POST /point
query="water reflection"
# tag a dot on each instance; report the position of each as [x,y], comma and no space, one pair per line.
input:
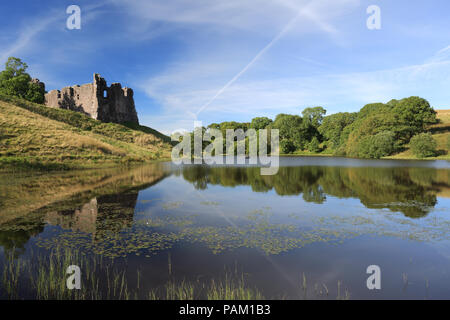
[412,191]
[221,215]
[90,201]
[103,202]
[103,214]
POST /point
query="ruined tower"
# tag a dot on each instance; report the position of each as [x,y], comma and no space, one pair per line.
[96,99]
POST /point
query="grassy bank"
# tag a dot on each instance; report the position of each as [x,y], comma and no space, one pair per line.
[33,136]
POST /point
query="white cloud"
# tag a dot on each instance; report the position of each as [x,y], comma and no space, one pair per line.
[207,74]
[256,16]
[252,97]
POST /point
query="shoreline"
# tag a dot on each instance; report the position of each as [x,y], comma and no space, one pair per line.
[27,165]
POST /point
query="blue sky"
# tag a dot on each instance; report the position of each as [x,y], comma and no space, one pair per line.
[214,61]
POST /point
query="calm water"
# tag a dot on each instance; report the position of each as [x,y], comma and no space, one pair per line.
[319,223]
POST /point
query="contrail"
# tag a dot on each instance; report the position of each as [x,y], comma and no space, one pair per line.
[260,53]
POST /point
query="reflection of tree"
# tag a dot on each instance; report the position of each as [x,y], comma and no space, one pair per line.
[390,188]
[288,181]
[15,234]
[197,175]
[408,190]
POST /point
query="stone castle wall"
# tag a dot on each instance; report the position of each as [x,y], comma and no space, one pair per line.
[96,99]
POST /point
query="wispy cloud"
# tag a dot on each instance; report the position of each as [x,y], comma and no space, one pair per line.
[26,35]
[345,92]
[256,16]
[301,11]
[26,38]
[258,55]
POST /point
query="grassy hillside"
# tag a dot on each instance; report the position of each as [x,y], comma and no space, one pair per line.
[441,133]
[33,135]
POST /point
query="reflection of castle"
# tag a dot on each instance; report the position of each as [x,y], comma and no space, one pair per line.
[82,219]
[108,201]
[107,213]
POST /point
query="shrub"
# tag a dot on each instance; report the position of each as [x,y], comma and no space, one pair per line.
[380,145]
[423,145]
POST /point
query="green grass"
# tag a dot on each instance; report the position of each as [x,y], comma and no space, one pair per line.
[38,137]
[232,289]
[44,278]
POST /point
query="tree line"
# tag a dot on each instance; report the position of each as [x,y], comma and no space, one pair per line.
[375,131]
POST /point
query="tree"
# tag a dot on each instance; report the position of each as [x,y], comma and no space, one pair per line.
[364,128]
[291,128]
[214,126]
[233,125]
[15,81]
[260,123]
[413,115]
[314,116]
[333,125]
[376,146]
[14,67]
[423,145]
[404,118]
[372,108]
[314,145]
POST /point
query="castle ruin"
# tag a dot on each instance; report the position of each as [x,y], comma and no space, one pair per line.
[97,100]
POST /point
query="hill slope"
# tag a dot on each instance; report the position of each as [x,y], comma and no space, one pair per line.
[441,133]
[33,135]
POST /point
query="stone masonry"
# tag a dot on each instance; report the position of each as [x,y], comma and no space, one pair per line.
[107,104]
